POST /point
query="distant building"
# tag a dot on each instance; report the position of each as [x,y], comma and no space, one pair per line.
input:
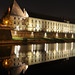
[28,21]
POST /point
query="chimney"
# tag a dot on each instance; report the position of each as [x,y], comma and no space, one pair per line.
[9,10]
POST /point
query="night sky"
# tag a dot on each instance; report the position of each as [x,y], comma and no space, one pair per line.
[57,8]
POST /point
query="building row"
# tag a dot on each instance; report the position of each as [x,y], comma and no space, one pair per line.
[27,21]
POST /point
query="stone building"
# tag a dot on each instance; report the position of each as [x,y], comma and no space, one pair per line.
[16,16]
[33,22]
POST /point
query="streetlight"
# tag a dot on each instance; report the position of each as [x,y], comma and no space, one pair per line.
[7,64]
[6,22]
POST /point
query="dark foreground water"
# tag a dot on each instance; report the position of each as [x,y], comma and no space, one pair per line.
[52,58]
[55,67]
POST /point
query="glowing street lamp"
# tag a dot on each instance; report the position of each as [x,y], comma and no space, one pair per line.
[6,22]
[6,63]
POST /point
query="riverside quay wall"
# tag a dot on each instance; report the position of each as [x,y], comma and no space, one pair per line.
[5,33]
[28,34]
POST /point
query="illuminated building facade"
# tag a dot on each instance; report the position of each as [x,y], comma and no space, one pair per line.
[28,21]
[39,53]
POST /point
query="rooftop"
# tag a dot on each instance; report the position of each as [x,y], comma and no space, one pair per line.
[17,11]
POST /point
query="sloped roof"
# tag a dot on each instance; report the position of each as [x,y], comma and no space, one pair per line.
[47,17]
[16,10]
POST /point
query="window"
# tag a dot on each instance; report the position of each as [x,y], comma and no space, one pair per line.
[42,22]
[14,22]
[14,18]
[22,23]
[39,59]
[14,64]
[35,60]
[18,18]
[45,26]
[48,23]
[22,18]
[39,21]
[53,23]
[32,21]
[35,20]
[18,63]
[32,61]
[14,59]
[18,22]
[45,22]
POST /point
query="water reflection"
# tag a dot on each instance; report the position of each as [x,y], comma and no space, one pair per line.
[16,50]
[38,53]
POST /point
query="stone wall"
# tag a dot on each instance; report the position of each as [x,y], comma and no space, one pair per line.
[27,34]
[5,34]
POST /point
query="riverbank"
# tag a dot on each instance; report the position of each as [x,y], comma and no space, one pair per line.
[12,42]
[9,36]
[36,40]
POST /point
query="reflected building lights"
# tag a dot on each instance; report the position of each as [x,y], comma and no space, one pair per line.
[17,28]
[57,47]
[47,51]
[65,46]
[45,47]
[15,32]
[72,46]
[65,35]
[32,34]
[53,51]
[16,50]
[45,35]
[32,48]
[34,52]
[56,35]
[72,36]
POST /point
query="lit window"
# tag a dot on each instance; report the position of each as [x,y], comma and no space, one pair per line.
[56,35]
[65,35]
[45,35]
[72,36]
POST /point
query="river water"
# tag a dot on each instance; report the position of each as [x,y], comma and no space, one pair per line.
[38,53]
[32,54]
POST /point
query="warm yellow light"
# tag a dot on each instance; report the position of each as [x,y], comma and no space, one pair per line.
[45,35]
[6,63]
[56,35]
[6,22]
